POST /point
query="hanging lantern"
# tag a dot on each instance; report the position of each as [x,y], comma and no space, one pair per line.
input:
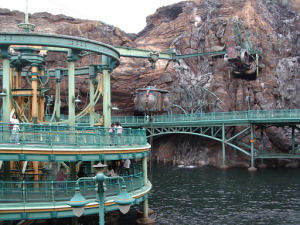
[152,100]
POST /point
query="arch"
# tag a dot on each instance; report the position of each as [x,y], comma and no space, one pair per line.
[63,43]
[206,136]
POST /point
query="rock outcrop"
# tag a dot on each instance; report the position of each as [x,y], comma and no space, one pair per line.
[191,27]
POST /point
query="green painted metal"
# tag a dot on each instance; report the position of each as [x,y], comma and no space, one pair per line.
[7,106]
[92,96]
[142,53]
[72,143]
[37,195]
[209,125]
[106,93]
[270,117]
[71,93]
[145,171]
[69,42]
[223,145]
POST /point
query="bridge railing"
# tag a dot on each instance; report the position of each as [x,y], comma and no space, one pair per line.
[213,116]
[51,191]
[282,114]
[68,135]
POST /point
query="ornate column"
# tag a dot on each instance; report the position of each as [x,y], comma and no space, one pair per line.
[34,108]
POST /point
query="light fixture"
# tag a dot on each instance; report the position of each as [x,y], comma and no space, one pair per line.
[76,99]
[114,107]
[78,202]
[3,93]
[124,200]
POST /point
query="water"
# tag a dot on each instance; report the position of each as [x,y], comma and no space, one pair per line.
[208,195]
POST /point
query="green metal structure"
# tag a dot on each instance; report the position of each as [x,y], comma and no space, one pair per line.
[85,137]
[222,126]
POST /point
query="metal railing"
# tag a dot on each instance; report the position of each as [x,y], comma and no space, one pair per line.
[279,115]
[52,191]
[68,135]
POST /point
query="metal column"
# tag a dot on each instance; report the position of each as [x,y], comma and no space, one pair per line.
[145,175]
[223,166]
[34,108]
[92,96]
[106,92]
[252,141]
[7,104]
[71,87]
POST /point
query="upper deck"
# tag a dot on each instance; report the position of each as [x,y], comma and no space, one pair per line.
[67,143]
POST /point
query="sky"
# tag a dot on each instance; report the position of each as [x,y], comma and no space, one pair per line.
[128,15]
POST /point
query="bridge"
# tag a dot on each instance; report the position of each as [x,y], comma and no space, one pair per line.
[242,130]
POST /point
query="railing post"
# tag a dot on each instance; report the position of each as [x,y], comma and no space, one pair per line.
[52,191]
[23,192]
[130,136]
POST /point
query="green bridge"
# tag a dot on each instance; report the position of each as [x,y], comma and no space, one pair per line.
[242,130]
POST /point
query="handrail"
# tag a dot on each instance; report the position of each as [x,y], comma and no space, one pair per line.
[246,116]
[52,191]
[277,115]
[43,134]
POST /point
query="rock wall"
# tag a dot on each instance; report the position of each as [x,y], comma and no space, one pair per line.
[190,27]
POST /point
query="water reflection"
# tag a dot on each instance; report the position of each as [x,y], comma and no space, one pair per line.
[207,195]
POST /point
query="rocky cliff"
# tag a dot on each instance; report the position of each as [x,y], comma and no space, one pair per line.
[191,27]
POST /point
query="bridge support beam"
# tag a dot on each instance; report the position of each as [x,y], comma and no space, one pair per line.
[252,141]
[262,147]
[293,140]
[223,166]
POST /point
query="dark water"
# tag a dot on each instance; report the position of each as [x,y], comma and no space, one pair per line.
[208,195]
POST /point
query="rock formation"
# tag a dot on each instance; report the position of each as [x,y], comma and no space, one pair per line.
[191,27]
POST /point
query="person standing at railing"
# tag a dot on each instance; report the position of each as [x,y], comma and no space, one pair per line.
[15,128]
[61,177]
[81,172]
[119,131]
[127,164]
[112,131]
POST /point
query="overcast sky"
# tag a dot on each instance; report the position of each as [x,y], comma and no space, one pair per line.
[128,15]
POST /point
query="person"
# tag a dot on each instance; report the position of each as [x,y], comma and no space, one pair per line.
[120,165]
[119,131]
[111,131]
[61,176]
[127,166]
[81,172]
[110,172]
[15,129]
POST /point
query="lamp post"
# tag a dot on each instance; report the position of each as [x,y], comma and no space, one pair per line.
[78,202]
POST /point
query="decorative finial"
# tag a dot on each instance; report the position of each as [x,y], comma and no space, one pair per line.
[26,26]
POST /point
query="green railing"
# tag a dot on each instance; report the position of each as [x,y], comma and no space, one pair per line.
[279,115]
[67,135]
[51,191]
[276,114]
